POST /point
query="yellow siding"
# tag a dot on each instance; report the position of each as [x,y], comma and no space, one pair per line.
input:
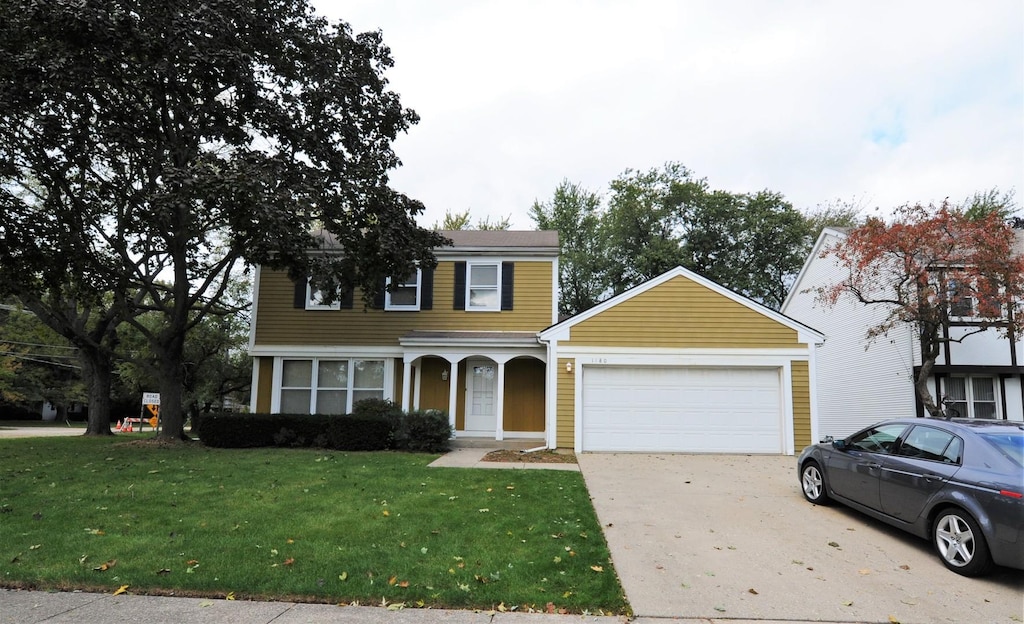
[682,313]
[565,409]
[278,322]
[524,395]
[265,384]
[433,389]
[801,406]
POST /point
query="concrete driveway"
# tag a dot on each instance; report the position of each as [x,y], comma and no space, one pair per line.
[731,537]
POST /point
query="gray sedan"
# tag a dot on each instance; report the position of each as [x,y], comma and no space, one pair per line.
[959,483]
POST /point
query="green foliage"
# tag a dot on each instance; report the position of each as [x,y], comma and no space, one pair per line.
[284,524]
[235,430]
[423,431]
[463,221]
[574,213]
[236,127]
[359,432]
[993,201]
[656,220]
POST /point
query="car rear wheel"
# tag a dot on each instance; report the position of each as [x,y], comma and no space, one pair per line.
[812,482]
[958,540]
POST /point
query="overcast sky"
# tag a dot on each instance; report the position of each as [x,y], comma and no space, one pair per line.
[875,102]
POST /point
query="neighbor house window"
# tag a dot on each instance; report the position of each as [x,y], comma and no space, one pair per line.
[316,299]
[961,303]
[483,286]
[328,386]
[973,397]
[404,294]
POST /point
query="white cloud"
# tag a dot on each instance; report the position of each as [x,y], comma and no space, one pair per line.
[888,102]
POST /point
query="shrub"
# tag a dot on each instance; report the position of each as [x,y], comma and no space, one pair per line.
[238,430]
[359,432]
[423,431]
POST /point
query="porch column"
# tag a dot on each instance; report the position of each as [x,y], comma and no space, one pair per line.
[406,377]
[416,386]
[499,407]
[453,395]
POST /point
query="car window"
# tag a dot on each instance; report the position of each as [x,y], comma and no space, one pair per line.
[1010,444]
[931,444]
[880,439]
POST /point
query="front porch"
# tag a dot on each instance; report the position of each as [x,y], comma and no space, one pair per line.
[491,384]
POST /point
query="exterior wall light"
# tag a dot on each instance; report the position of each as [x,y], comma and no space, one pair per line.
[444,375]
[568,367]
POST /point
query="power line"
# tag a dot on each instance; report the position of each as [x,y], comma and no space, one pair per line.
[30,359]
[36,344]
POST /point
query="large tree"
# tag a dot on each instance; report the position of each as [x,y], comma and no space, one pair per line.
[927,266]
[575,213]
[174,141]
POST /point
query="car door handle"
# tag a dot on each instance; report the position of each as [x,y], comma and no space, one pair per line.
[930,477]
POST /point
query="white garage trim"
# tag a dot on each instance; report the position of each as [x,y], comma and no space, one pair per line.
[589,358]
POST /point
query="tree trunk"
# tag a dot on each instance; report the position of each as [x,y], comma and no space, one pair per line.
[97,371]
[172,411]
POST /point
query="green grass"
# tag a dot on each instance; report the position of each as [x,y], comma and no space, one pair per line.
[298,525]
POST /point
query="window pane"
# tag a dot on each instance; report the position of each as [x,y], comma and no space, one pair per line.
[956,388]
[878,439]
[332,374]
[984,389]
[295,401]
[483,298]
[369,374]
[403,295]
[984,410]
[331,401]
[953,451]
[484,275]
[359,395]
[296,374]
[926,443]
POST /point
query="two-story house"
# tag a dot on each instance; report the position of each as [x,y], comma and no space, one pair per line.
[678,363]
[862,381]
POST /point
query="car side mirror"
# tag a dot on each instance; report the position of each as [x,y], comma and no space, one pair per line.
[839,445]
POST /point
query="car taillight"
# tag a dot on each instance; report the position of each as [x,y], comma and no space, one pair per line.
[1011,494]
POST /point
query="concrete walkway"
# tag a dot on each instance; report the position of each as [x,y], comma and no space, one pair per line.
[472,457]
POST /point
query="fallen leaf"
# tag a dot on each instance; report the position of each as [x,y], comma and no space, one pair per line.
[206,603]
[121,590]
[103,567]
[752,591]
[848,603]
[163,572]
[403,583]
[387,513]
[597,568]
[16,558]
[720,609]
[192,562]
[343,577]
[904,567]
[893,619]
[230,596]
[35,547]
[864,571]
[907,602]
[392,580]
[833,545]
[501,607]
[396,606]
[550,607]
[289,561]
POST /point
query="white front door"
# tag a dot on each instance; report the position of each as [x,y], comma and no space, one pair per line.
[482,377]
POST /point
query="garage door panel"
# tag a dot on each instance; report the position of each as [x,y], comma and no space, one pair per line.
[681,409]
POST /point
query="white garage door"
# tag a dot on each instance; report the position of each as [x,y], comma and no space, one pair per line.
[681,409]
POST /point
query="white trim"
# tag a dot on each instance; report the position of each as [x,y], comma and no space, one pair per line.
[819,247]
[556,291]
[336,305]
[388,306]
[325,350]
[551,396]
[254,386]
[255,306]
[275,398]
[812,393]
[497,287]
[494,256]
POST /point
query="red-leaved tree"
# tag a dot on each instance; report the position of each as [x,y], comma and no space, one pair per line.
[930,264]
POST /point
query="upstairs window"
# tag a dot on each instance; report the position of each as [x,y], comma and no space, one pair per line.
[972,397]
[404,294]
[961,303]
[316,300]
[483,286]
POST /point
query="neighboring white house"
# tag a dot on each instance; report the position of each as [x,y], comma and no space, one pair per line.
[862,381]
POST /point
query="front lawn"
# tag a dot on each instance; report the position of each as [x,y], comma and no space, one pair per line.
[371,528]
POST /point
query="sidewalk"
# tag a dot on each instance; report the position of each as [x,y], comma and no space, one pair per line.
[30,607]
[472,457]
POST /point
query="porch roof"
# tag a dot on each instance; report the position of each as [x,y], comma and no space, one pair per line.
[449,338]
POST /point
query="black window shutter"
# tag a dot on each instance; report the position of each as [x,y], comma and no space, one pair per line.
[508,273]
[300,293]
[378,301]
[460,286]
[347,297]
[427,289]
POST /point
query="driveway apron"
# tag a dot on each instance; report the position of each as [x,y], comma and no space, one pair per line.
[731,537]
